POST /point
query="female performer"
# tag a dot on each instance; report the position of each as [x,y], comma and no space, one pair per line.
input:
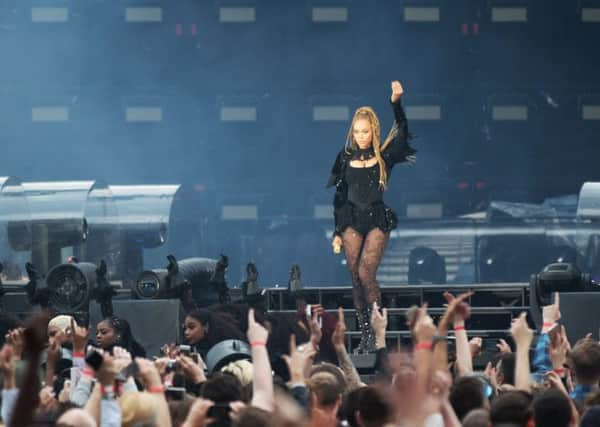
[362,220]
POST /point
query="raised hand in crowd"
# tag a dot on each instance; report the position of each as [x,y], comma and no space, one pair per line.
[421,390]
[424,328]
[503,347]
[53,352]
[15,339]
[47,399]
[424,333]
[522,335]
[559,347]
[53,356]
[192,370]
[8,366]
[262,385]
[475,347]
[106,375]
[170,351]
[108,370]
[150,377]
[379,322]
[34,339]
[551,313]
[338,337]
[457,311]
[491,374]
[520,331]
[315,325]
[121,358]
[256,333]
[148,373]
[80,335]
[161,365]
[299,360]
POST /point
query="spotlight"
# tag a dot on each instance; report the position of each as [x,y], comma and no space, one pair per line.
[294,283]
[151,284]
[71,286]
[425,265]
[198,282]
[250,285]
[218,279]
[251,292]
[557,277]
[294,295]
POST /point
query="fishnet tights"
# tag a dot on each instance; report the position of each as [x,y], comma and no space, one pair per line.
[363,255]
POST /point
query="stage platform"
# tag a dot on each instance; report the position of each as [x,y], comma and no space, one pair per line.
[492,306]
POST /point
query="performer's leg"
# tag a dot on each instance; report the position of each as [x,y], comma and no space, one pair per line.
[353,241]
[372,252]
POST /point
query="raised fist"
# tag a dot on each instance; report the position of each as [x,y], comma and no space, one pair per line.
[397,91]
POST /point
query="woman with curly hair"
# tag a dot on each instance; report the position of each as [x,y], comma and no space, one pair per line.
[114,331]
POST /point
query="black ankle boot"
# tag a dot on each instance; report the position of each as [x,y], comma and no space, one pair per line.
[367,336]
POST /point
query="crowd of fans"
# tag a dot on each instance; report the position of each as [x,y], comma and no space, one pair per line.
[53,373]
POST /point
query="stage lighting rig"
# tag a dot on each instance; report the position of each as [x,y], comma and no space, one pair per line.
[198,282]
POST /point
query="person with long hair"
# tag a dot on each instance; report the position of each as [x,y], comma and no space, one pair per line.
[203,329]
[362,220]
[115,331]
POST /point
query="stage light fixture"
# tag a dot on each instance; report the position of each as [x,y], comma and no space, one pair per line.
[198,282]
[556,277]
[426,265]
[71,286]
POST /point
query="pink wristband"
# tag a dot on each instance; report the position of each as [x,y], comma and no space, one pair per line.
[156,389]
[88,372]
[424,346]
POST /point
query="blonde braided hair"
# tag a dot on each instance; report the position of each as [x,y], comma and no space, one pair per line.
[369,114]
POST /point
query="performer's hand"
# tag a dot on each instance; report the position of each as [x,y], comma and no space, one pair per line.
[397,91]
[337,244]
